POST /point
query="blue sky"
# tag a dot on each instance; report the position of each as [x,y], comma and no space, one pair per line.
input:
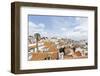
[73,27]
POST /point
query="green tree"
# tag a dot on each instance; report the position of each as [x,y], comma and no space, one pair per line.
[37,37]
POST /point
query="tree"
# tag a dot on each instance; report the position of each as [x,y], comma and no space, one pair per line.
[37,37]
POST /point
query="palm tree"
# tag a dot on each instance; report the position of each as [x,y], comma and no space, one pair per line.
[37,37]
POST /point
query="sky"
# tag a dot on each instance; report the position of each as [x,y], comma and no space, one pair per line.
[73,27]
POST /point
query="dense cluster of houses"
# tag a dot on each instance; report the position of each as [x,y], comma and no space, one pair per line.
[49,48]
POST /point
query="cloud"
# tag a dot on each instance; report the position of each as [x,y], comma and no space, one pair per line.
[73,27]
[35,28]
[63,29]
[80,31]
[32,25]
[41,25]
[81,28]
[77,35]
